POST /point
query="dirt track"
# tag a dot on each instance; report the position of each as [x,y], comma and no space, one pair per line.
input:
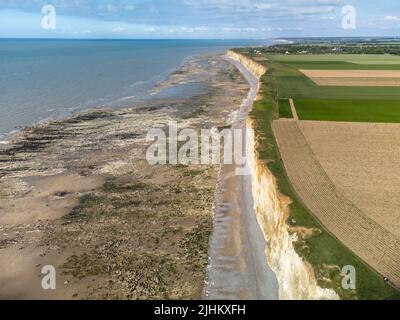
[293,108]
[364,236]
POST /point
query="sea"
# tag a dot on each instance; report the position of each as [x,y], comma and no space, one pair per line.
[49,79]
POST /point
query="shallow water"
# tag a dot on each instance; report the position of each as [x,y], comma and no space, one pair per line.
[45,79]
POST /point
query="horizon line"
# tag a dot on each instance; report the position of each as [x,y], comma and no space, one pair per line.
[210,39]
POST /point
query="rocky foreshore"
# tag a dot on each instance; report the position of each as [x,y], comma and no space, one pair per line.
[79,194]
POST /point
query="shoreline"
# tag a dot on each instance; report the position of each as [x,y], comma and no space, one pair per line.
[57,102]
[112,104]
[78,194]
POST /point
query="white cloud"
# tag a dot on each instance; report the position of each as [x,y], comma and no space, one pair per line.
[325,18]
[290,7]
[130,7]
[212,18]
[187,29]
[391,18]
[111,8]
[231,29]
[201,29]
[263,6]
[119,29]
[250,29]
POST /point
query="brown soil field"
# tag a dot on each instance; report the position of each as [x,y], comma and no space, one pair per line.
[366,78]
[338,195]
[260,59]
[363,161]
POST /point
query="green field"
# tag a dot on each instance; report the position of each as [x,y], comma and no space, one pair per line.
[284,109]
[349,110]
[335,103]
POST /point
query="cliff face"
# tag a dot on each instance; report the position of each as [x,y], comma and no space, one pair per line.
[257,69]
[295,276]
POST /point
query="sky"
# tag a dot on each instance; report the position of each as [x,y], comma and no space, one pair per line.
[198,19]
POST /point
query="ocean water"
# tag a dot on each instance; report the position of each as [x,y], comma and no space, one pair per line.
[47,79]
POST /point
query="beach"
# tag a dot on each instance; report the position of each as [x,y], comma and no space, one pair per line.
[78,194]
[237,268]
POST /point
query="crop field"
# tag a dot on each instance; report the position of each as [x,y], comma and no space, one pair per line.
[338,102]
[387,111]
[360,232]
[362,59]
[284,109]
[362,160]
[354,78]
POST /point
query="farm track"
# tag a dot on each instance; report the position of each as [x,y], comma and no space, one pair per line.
[365,237]
[293,108]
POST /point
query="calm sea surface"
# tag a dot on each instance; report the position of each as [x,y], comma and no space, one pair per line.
[45,79]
